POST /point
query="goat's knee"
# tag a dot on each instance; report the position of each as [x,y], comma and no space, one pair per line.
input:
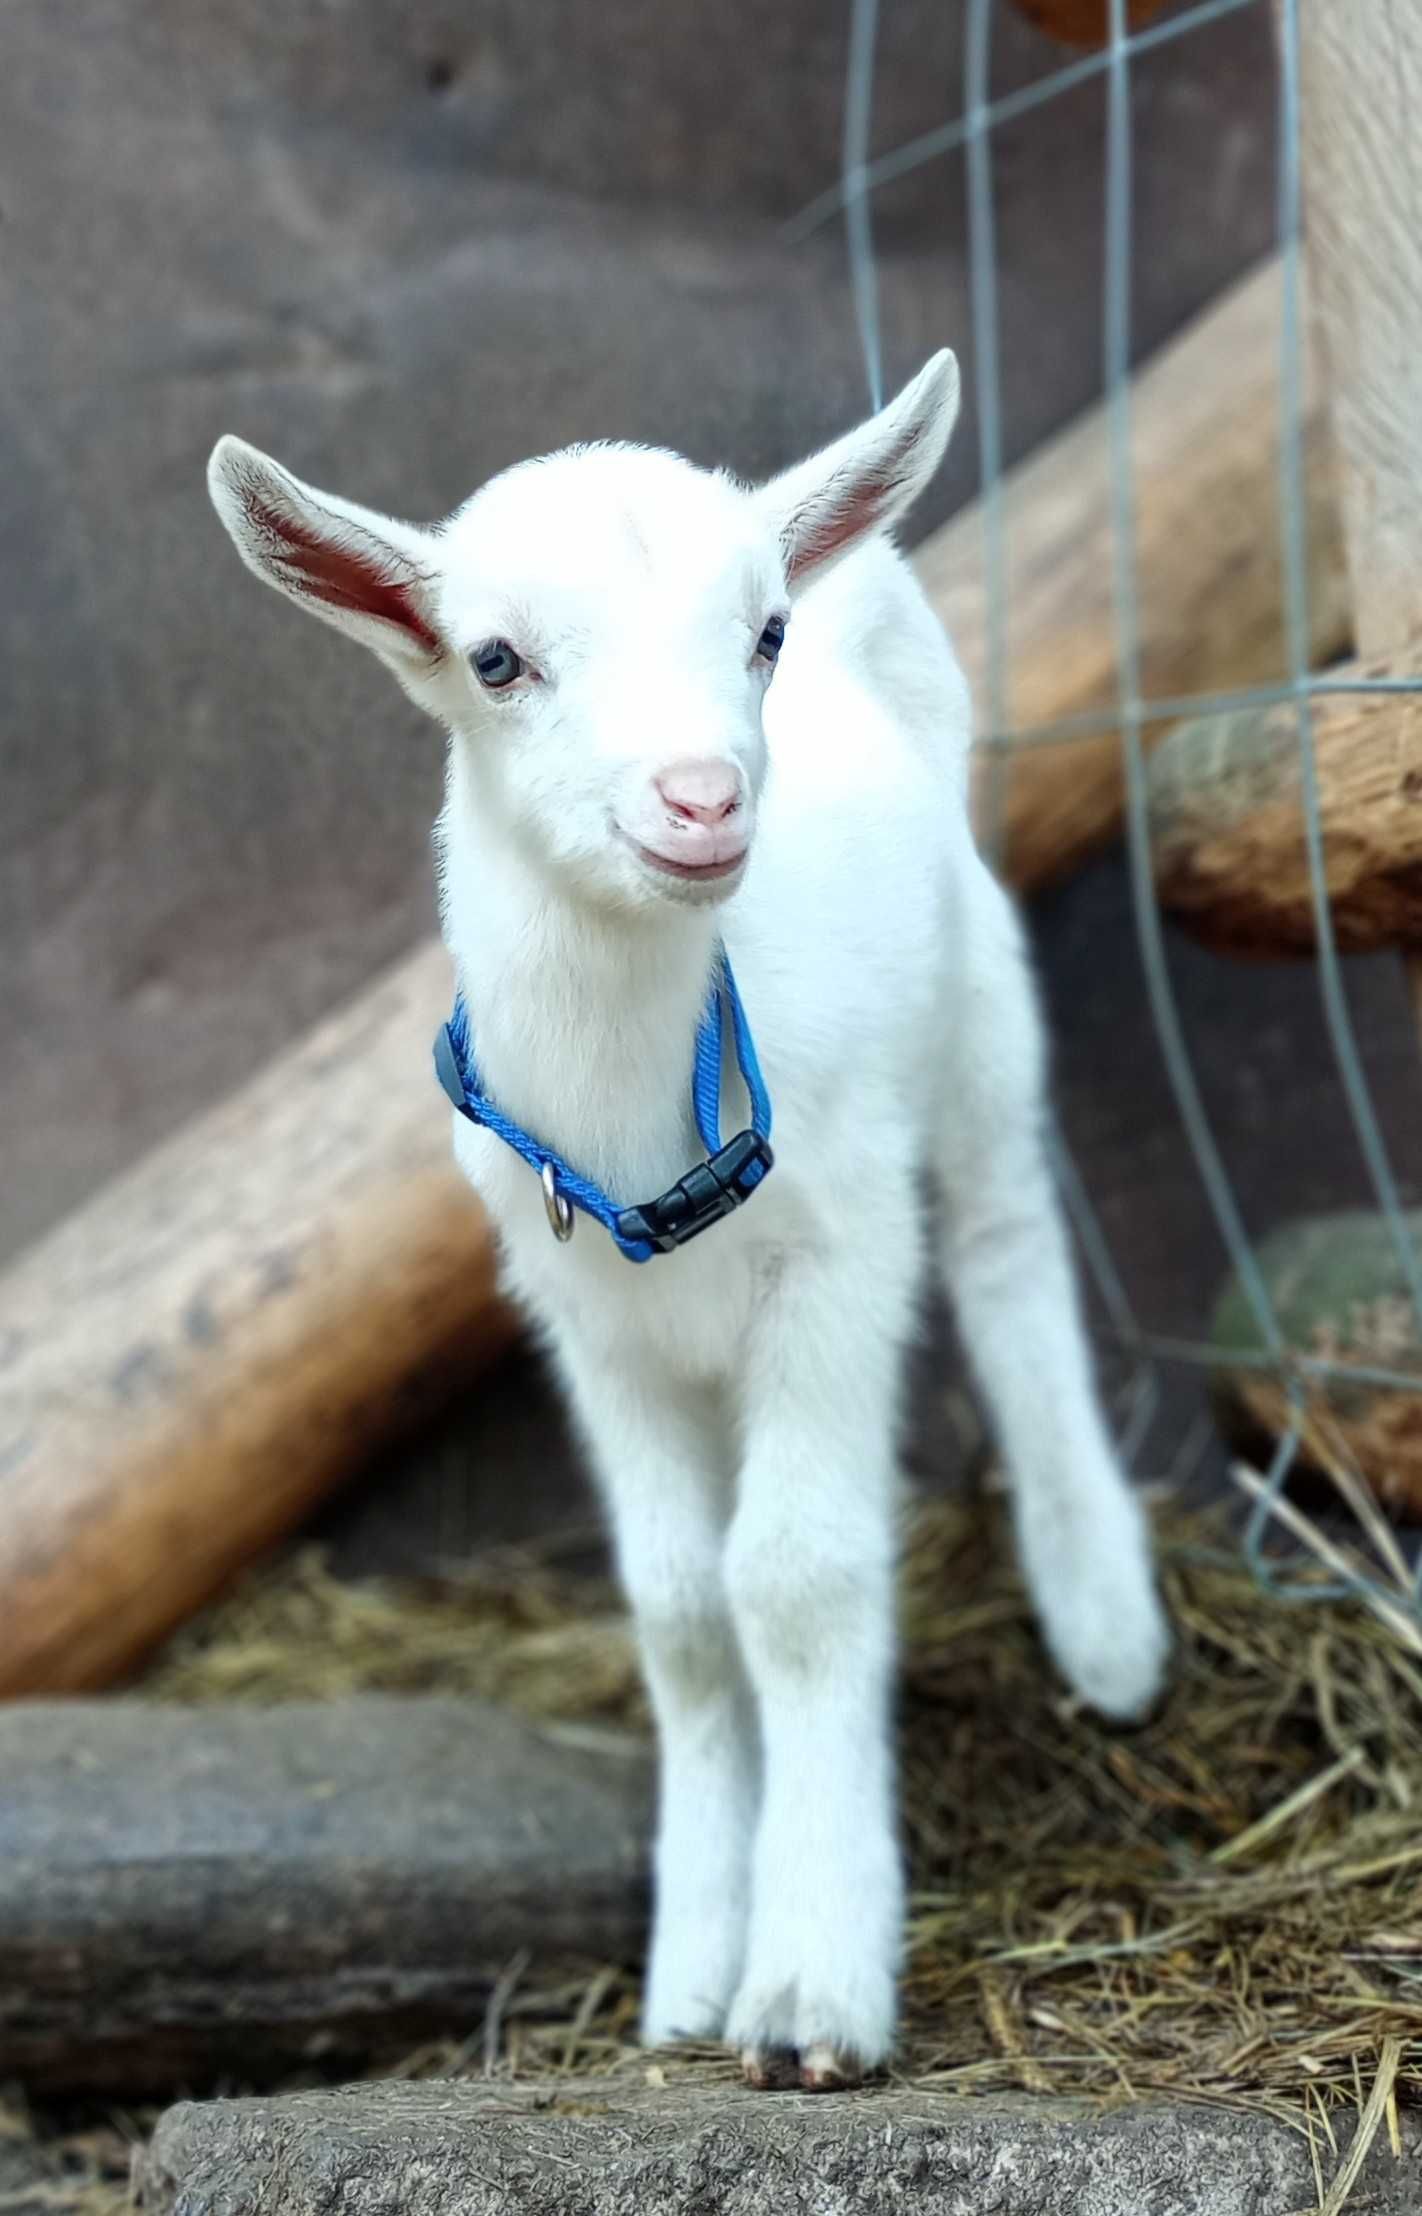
[689,1648]
[807,1606]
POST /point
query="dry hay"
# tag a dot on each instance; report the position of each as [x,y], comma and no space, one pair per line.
[1225,1905]
[48,2171]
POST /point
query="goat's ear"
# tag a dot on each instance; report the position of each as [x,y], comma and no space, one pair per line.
[868,479]
[365,573]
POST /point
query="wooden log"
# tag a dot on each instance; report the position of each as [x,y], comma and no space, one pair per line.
[192,1360]
[186,1893]
[212,1343]
[1227,822]
[1339,1295]
[1360,75]
[1205,448]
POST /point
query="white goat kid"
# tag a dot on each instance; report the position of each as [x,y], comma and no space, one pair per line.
[636,775]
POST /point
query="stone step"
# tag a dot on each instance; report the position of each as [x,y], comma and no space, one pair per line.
[604,2148]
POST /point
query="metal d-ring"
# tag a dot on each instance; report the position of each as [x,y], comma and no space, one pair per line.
[561,1220]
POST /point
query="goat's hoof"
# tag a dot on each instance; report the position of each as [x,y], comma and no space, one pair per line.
[817,2069]
[771,2069]
[827,2069]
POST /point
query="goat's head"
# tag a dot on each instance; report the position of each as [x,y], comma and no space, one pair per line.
[598,629]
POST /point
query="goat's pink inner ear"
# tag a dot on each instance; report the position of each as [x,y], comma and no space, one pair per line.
[832,521]
[339,571]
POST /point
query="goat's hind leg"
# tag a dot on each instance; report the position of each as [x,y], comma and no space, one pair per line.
[1083,1540]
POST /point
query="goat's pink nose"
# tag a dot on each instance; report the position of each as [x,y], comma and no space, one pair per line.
[700,792]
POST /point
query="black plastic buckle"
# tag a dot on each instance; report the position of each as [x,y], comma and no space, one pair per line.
[712,1190]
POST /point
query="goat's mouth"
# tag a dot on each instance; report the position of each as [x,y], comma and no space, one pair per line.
[716,872]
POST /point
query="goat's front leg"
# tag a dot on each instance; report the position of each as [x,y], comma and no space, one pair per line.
[810,1570]
[662,1460]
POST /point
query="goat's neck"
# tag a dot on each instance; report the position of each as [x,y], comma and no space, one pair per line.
[583,1022]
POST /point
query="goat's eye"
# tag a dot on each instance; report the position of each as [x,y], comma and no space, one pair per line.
[496,664]
[772,638]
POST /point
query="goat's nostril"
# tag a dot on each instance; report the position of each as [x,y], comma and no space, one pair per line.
[705,792]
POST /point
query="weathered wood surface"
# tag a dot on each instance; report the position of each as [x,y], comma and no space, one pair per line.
[609,2148]
[1205,448]
[1228,837]
[1360,84]
[1339,1294]
[1360,78]
[199,1354]
[192,1892]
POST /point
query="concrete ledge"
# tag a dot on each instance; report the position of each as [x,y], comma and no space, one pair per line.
[604,2148]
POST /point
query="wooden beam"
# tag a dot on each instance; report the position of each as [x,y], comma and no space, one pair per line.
[1360,77]
[188,1364]
[187,1893]
[1360,69]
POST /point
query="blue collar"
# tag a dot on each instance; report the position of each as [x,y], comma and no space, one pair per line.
[711,1190]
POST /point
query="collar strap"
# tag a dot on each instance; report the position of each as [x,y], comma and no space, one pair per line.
[710,1190]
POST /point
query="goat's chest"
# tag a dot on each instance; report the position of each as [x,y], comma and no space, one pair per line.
[688,1312]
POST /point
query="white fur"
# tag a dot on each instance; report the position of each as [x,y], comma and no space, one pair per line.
[740,1397]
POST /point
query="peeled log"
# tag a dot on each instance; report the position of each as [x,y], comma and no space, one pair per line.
[1205,463]
[1340,1295]
[1227,822]
[188,1364]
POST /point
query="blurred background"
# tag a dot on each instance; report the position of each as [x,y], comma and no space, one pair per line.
[402,247]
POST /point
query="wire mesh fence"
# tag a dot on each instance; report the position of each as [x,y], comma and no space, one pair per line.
[1384,1575]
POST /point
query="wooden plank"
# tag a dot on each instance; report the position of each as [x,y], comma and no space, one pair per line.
[193,1360]
[191,1892]
[1360,70]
